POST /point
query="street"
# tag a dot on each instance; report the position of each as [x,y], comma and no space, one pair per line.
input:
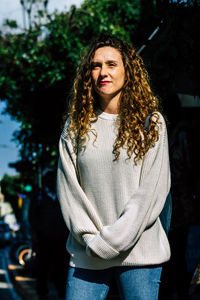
[6,287]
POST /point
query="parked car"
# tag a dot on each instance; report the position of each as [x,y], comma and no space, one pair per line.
[5,234]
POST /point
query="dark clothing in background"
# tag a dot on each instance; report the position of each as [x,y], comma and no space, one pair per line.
[49,241]
[184,163]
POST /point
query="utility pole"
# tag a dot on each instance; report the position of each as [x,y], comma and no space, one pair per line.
[23,12]
[28,7]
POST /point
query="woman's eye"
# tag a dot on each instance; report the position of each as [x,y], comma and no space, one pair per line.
[112,65]
[95,66]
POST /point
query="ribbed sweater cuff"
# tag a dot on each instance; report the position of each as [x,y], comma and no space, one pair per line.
[102,248]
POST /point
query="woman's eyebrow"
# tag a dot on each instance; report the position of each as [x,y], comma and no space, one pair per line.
[107,62]
[111,61]
[96,63]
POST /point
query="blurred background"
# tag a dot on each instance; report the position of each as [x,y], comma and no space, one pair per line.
[41,44]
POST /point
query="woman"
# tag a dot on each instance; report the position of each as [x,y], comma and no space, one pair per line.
[114,177]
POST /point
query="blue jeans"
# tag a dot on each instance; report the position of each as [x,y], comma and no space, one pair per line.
[134,283]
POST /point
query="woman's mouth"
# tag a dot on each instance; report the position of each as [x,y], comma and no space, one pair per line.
[104,82]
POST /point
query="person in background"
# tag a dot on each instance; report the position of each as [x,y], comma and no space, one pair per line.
[113,176]
[184,162]
[49,237]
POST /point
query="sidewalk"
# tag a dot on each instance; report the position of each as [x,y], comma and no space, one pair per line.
[25,284]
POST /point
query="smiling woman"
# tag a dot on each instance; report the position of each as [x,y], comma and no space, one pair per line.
[114,177]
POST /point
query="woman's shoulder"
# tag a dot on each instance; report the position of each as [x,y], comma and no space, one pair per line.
[156,117]
[159,122]
[64,133]
[159,118]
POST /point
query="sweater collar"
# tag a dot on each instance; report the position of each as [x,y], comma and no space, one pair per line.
[106,116]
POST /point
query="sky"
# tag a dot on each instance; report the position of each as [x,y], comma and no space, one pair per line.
[11,9]
[8,148]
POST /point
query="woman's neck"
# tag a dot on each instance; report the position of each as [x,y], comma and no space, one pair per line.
[110,106]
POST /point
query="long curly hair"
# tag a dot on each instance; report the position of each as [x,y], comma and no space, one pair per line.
[136,102]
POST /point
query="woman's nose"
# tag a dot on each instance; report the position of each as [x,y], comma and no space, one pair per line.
[103,71]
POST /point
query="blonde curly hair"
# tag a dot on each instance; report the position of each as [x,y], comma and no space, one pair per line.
[136,102]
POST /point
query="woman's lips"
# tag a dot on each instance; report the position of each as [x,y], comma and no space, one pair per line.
[104,82]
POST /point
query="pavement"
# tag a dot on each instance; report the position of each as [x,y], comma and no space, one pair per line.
[24,282]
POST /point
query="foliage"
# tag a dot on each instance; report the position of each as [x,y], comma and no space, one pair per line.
[10,23]
[115,16]
[38,65]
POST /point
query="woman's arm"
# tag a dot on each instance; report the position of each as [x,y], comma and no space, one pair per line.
[145,205]
[80,216]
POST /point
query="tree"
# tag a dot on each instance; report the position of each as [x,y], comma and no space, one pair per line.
[28,9]
[37,70]
[39,63]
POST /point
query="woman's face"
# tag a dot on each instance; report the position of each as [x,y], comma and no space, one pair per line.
[108,73]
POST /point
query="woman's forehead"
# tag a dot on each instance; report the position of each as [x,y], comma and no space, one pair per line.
[107,53]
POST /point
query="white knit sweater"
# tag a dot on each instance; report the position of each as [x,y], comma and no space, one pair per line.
[113,207]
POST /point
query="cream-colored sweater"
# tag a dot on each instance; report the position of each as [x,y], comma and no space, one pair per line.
[113,207]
